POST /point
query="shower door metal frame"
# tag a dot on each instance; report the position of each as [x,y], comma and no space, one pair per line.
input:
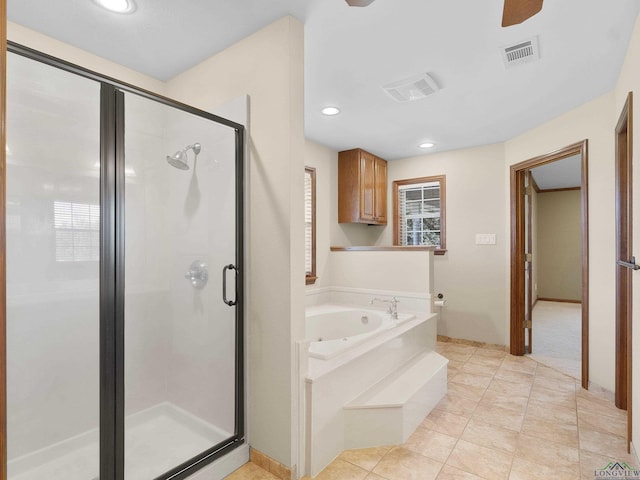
[3,241]
[112,264]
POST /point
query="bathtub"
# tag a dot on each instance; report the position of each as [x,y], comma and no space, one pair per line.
[350,351]
[334,329]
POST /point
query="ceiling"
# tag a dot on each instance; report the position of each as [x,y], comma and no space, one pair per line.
[565,173]
[351,52]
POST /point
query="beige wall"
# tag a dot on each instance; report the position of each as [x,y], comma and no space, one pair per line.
[268,66]
[559,244]
[470,276]
[628,82]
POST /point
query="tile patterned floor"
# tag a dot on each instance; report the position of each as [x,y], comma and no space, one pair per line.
[504,417]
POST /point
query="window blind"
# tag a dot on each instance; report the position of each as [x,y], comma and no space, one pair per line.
[77,229]
[420,214]
[308,223]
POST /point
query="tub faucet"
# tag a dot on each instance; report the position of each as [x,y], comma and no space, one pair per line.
[393,305]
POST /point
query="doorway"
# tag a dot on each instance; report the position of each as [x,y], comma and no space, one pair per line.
[556,278]
[523,295]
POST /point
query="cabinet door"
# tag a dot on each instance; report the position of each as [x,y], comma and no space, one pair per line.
[367,187]
[380,210]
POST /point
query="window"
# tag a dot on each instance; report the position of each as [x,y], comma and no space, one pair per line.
[310,224]
[77,228]
[420,212]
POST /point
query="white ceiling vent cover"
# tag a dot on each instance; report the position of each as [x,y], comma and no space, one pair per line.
[411,89]
[522,52]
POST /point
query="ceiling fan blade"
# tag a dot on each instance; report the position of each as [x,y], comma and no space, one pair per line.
[359,3]
[517,11]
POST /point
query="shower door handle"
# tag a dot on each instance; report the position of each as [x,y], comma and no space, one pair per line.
[233,302]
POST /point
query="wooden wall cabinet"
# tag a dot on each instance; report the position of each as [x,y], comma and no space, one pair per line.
[362,188]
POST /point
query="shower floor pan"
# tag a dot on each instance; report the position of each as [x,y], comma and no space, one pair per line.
[157,439]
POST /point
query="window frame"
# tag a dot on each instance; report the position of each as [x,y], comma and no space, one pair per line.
[441,179]
[310,277]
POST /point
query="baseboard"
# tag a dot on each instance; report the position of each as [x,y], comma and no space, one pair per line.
[473,343]
[560,300]
[270,465]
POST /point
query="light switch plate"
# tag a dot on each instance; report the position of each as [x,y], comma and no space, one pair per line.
[485,238]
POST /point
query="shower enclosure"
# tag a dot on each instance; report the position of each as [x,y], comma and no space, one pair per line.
[124,279]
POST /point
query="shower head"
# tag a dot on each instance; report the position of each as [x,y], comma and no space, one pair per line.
[180,159]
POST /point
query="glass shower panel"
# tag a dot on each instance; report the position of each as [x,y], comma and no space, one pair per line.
[179,334]
[53,240]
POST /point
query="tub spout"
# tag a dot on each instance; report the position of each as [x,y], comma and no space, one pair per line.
[392,309]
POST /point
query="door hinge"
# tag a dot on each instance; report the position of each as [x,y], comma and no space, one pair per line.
[527,190]
[527,324]
[528,257]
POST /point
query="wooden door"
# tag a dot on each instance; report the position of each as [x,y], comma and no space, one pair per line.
[380,213]
[625,262]
[367,186]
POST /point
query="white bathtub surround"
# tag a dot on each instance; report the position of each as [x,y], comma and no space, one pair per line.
[390,411]
[388,379]
[401,270]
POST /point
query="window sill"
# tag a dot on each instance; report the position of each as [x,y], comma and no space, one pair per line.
[395,248]
[310,280]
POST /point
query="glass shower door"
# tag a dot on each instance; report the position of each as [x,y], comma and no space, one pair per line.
[180,335]
[53,240]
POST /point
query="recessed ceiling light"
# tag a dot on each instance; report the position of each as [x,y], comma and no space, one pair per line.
[330,111]
[118,6]
[427,145]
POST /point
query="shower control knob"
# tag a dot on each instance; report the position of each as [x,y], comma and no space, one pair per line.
[197,274]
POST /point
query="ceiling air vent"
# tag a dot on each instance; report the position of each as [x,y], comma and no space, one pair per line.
[522,52]
[410,89]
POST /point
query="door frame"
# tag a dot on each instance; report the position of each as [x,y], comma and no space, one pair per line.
[624,245]
[517,240]
[529,247]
